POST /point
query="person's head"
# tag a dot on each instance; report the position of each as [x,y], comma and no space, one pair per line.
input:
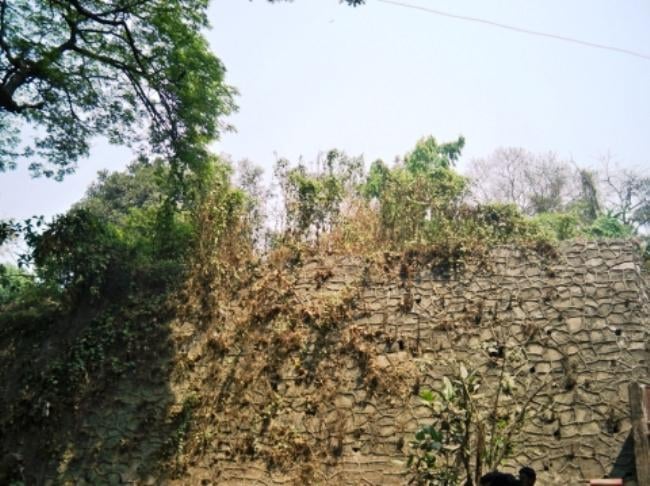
[527,476]
[496,478]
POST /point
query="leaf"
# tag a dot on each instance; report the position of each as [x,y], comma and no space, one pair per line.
[427,396]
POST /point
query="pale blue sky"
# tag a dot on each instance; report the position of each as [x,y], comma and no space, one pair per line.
[314,75]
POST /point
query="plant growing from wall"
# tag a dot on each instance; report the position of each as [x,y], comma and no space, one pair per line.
[476,415]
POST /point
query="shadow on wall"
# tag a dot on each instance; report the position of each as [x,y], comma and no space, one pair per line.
[86,397]
[625,466]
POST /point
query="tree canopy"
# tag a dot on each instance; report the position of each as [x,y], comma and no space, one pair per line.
[136,72]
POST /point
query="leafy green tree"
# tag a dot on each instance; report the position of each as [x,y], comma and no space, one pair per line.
[75,69]
[115,194]
[313,199]
[13,283]
[76,253]
[419,194]
[428,155]
[609,226]
[376,180]
[559,226]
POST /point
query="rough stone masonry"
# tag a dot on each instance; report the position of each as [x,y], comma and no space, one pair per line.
[580,315]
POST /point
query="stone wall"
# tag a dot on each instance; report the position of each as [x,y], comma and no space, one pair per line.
[252,397]
[580,316]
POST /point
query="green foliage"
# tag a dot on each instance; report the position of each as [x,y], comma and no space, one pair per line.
[124,232]
[417,197]
[609,226]
[376,180]
[475,417]
[559,226]
[313,199]
[428,155]
[181,423]
[436,446]
[14,283]
[471,228]
[74,70]
[114,195]
[8,230]
[75,253]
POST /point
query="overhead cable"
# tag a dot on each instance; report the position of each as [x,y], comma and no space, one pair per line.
[518,29]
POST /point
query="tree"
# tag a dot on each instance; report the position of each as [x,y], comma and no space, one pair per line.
[418,195]
[535,183]
[117,194]
[627,193]
[313,199]
[74,69]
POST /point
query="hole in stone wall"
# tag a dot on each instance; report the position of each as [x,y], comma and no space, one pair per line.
[311,408]
[569,383]
[337,448]
[612,424]
[400,343]
[497,351]
[549,332]
[557,434]
[404,271]
[388,343]
[399,445]
[618,332]
[532,369]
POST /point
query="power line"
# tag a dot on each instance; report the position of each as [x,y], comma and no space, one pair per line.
[518,29]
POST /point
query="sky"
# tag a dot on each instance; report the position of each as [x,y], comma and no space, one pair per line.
[315,75]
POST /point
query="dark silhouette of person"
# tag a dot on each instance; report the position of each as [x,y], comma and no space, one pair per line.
[527,476]
[497,478]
